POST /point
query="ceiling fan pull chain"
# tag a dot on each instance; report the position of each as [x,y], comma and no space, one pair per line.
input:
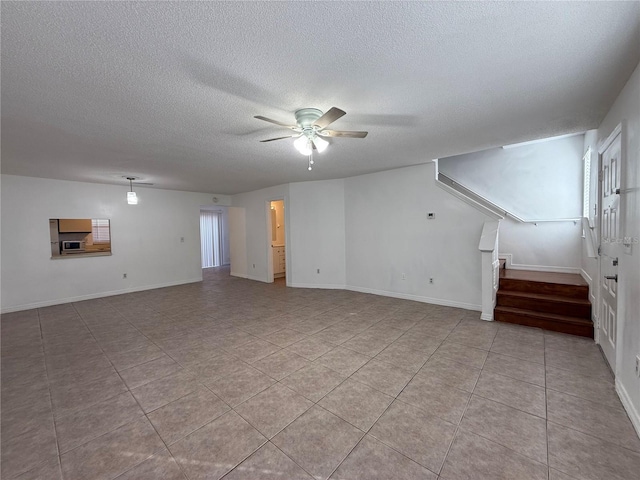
[310,160]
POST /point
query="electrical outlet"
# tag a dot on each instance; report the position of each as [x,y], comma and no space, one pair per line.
[181,239]
[404,277]
[124,275]
[431,281]
[254,265]
[638,366]
[318,271]
[431,216]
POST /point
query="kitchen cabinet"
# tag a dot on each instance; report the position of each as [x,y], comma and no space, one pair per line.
[279,261]
[74,225]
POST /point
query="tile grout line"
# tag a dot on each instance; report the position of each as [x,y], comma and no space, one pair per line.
[53,417]
[457,427]
[239,326]
[546,405]
[128,390]
[385,411]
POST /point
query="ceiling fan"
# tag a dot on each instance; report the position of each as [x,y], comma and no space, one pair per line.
[311,125]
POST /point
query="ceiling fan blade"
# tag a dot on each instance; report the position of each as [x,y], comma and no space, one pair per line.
[330,116]
[142,183]
[260,117]
[278,138]
[338,133]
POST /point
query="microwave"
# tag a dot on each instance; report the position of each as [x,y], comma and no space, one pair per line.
[73,246]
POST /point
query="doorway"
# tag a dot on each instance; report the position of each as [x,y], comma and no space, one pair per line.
[610,243]
[211,238]
[277,243]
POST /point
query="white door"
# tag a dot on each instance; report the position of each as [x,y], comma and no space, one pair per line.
[610,242]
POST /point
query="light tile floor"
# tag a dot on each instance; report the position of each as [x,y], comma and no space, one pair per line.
[243,380]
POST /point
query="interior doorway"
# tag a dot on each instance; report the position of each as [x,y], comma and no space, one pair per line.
[211,244]
[278,237]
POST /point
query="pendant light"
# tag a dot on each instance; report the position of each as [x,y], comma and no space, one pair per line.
[132,198]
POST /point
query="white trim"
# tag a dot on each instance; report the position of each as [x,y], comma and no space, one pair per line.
[586,276]
[417,298]
[609,140]
[536,268]
[330,286]
[92,296]
[541,140]
[507,257]
[487,317]
[592,298]
[628,406]
[239,275]
[481,208]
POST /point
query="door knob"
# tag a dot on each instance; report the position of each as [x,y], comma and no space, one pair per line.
[612,277]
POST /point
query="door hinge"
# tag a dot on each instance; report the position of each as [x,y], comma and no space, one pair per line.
[599,249]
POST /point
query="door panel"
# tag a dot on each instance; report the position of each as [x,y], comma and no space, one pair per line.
[610,242]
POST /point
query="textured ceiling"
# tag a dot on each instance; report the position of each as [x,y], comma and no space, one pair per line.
[92,91]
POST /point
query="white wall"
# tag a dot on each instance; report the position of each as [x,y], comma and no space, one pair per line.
[388,234]
[145,241]
[538,181]
[626,109]
[257,216]
[317,234]
[238,242]
[226,248]
[534,182]
[364,232]
[546,246]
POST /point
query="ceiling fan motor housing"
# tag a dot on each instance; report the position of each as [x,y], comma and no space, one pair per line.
[306,117]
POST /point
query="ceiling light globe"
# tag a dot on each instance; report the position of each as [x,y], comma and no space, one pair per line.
[320,143]
[303,145]
[132,198]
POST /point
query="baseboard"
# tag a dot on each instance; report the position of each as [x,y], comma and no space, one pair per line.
[586,276]
[545,268]
[487,317]
[239,275]
[328,286]
[628,406]
[417,298]
[93,296]
[536,268]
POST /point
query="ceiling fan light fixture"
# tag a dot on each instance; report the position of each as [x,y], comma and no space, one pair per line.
[303,145]
[320,143]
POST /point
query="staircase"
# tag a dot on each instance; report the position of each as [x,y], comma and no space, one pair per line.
[551,301]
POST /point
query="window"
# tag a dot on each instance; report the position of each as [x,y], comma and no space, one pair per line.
[100,230]
[587,183]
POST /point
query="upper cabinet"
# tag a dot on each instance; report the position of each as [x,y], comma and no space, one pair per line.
[72,225]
